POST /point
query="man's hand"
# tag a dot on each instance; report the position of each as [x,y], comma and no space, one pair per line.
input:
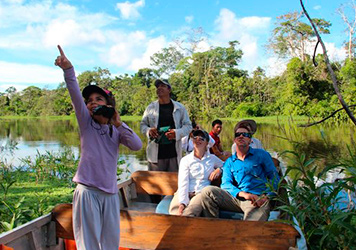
[256,200]
[153,133]
[171,134]
[62,61]
[181,209]
[215,174]
[261,200]
[248,196]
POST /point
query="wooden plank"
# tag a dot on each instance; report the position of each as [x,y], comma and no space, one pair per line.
[62,215]
[24,229]
[124,183]
[142,207]
[157,231]
[155,182]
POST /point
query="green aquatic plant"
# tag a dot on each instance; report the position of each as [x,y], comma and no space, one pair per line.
[322,209]
[18,215]
[7,177]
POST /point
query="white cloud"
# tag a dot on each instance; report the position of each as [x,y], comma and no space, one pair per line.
[130,10]
[274,66]
[39,25]
[23,75]
[189,19]
[71,32]
[230,27]
[125,48]
[317,7]
[153,45]
[249,31]
[334,53]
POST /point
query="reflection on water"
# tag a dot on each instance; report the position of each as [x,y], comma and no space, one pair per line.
[34,135]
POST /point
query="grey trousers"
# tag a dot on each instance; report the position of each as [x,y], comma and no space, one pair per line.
[96,219]
[215,198]
[167,165]
[194,207]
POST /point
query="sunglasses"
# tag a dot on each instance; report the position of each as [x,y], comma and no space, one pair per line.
[199,138]
[244,134]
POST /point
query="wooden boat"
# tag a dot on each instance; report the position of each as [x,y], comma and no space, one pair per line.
[143,228]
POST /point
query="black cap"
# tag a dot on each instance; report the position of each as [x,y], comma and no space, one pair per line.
[88,90]
[202,133]
[160,81]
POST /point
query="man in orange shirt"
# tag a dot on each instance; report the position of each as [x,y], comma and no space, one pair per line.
[217,148]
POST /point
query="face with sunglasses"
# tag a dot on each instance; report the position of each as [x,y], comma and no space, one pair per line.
[242,137]
[200,142]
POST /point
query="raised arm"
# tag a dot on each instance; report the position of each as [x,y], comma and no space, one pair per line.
[80,108]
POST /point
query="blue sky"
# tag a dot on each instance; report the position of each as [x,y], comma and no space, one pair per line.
[122,35]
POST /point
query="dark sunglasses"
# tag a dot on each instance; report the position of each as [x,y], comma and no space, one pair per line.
[199,137]
[244,134]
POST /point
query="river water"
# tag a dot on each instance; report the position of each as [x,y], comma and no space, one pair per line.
[33,136]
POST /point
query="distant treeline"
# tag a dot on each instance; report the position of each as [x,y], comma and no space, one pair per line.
[210,84]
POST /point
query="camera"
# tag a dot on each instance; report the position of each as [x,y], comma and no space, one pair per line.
[105,111]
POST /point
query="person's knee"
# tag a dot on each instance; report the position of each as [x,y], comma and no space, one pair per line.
[208,192]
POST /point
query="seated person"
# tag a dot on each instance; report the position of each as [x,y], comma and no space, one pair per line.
[187,141]
[244,180]
[196,170]
[255,143]
[217,147]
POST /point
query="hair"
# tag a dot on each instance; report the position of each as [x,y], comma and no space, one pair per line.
[217,121]
[194,124]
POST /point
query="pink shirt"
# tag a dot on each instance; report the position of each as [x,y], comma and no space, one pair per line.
[99,151]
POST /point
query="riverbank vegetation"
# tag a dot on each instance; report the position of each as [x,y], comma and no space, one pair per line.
[321,193]
[34,188]
[211,84]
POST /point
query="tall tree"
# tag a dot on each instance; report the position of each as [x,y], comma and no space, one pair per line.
[144,77]
[166,60]
[350,21]
[98,76]
[292,36]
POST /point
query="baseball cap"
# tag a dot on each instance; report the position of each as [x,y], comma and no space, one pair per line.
[249,123]
[88,90]
[161,81]
[201,133]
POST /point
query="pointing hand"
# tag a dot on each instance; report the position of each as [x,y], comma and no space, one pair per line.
[62,61]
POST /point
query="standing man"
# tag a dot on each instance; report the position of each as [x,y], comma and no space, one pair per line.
[217,148]
[244,179]
[165,122]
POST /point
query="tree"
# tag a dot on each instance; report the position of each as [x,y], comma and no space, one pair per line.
[166,60]
[203,73]
[144,77]
[98,76]
[291,37]
[350,30]
[29,98]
